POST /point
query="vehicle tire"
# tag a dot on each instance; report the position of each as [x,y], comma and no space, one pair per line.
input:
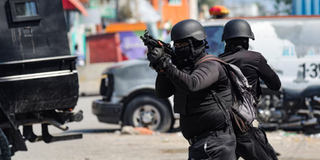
[148,111]
[4,147]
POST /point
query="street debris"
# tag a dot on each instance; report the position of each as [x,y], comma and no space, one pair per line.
[136,130]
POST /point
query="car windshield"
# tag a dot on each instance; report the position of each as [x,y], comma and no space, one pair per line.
[214,34]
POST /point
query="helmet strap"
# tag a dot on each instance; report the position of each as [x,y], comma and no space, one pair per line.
[206,44]
[198,52]
[192,49]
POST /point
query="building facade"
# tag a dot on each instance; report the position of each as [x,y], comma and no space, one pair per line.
[306,7]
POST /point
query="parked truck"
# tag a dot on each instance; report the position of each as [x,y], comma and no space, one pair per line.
[38,76]
[289,43]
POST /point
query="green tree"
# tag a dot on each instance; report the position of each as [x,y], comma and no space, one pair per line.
[283,6]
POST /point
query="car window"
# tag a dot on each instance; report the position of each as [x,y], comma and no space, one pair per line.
[214,34]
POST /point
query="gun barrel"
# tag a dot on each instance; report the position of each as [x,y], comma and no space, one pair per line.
[151,43]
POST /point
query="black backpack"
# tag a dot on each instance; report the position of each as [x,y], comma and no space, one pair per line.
[243,111]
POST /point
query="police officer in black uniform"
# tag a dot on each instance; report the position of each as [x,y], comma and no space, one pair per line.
[254,66]
[202,122]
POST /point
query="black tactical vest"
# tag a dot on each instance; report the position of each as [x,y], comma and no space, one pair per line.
[195,102]
[187,104]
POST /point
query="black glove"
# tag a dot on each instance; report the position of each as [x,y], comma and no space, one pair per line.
[161,65]
[155,54]
[158,59]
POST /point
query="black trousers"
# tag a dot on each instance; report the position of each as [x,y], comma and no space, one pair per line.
[218,145]
[254,145]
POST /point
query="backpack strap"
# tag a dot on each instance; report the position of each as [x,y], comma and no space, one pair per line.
[226,66]
[210,57]
[222,106]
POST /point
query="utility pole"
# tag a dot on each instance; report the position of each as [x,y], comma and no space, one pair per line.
[193,9]
[117,10]
[160,10]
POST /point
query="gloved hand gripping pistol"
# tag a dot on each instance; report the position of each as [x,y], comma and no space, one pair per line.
[158,48]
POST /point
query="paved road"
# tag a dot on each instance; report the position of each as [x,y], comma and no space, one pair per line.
[101,142]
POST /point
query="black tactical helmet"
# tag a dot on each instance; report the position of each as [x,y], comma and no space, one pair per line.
[187,29]
[237,28]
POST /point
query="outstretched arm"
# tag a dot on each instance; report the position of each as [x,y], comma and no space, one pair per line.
[268,75]
[202,77]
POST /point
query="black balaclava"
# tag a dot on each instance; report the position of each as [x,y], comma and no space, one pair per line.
[188,55]
[235,44]
[183,53]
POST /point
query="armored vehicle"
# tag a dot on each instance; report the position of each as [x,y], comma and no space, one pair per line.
[38,76]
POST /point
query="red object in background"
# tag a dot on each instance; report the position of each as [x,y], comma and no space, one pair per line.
[124,57]
[218,10]
[67,5]
[73,5]
[104,48]
[79,6]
